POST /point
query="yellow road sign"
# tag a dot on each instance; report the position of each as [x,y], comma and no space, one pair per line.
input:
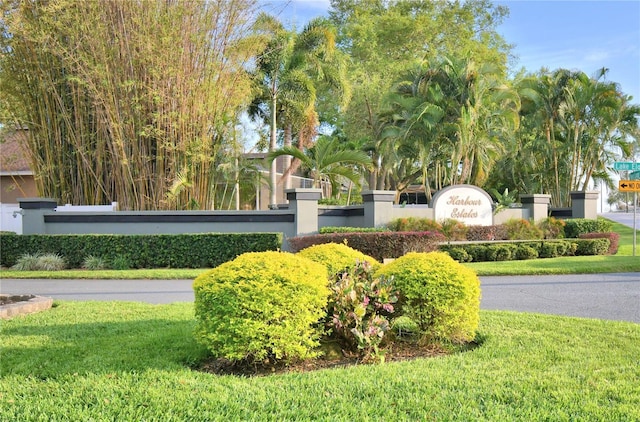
[629,185]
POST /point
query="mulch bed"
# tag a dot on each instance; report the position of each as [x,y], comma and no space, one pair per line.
[399,351]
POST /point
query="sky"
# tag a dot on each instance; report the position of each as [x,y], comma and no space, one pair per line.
[576,35]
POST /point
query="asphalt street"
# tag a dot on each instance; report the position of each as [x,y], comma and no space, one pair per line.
[602,296]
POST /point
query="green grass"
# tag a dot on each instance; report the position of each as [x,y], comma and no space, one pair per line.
[130,361]
[140,274]
[564,265]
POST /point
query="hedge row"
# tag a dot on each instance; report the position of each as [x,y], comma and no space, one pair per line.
[199,250]
[496,251]
[379,245]
[614,240]
[515,229]
[575,227]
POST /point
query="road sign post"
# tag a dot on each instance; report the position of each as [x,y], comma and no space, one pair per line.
[632,185]
[629,185]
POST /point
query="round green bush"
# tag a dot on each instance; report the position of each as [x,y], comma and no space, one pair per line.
[441,295]
[459,254]
[337,257]
[261,305]
[526,252]
[501,252]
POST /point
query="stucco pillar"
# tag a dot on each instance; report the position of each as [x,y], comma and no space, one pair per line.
[304,203]
[33,211]
[537,205]
[378,207]
[584,204]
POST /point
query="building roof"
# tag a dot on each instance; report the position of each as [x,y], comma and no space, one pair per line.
[14,158]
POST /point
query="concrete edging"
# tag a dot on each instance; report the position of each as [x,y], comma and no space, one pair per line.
[22,306]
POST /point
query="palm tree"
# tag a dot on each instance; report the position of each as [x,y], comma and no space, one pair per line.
[543,96]
[327,161]
[292,67]
[574,125]
[449,118]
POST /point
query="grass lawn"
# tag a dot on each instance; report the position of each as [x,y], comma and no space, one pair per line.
[131,361]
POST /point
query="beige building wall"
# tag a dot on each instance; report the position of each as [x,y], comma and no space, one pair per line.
[16,186]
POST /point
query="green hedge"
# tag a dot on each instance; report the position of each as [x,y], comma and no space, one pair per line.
[338,229]
[574,227]
[198,250]
[497,251]
[379,245]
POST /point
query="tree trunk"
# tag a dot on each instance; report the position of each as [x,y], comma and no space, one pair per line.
[273,202]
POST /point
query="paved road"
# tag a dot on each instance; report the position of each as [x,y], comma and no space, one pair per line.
[602,296]
[625,218]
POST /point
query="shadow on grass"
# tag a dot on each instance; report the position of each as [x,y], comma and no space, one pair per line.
[58,348]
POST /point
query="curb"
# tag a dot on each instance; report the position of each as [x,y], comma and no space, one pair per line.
[24,306]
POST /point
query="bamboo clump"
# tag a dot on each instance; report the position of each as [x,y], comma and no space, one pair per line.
[128,101]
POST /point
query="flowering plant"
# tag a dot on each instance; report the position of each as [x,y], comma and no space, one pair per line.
[359,305]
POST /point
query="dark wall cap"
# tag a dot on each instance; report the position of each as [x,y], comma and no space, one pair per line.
[37,203]
[535,199]
[584,195]
[378,195]
[303,194]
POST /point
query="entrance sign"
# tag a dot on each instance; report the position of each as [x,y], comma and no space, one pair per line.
[465,203]
[626,166]
[629,185]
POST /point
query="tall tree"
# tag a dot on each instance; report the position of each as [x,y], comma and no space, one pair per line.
[124,99]
[291,68]
[573,127]
[449,119]
[386,39]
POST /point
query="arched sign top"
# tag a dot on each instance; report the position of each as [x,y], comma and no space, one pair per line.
[466,203]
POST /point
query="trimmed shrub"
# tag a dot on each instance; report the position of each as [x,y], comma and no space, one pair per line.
[574,227]
[377,245]
[454,230]
[459,254]
[331,229]
[336,257]
[358,309]
[480,233]
[520,229]
[524,251]
[553,249]
[414,224]
[478,253]
[614,239]
[592,246]
[500,252]
[552,228]
[263,305]
[441,295]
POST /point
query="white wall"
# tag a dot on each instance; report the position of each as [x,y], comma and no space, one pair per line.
[11,215]
[10,218]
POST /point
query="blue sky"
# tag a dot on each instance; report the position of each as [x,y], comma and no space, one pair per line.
[584,35]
